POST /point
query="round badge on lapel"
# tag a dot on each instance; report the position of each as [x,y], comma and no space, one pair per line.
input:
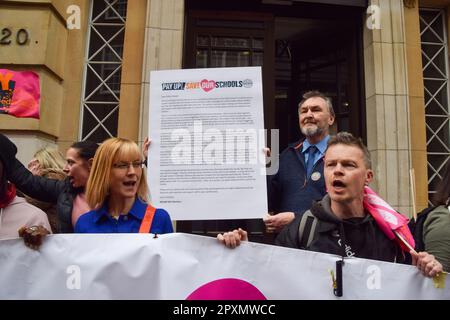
[315,176]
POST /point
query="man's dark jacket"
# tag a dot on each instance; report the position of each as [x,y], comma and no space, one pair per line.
[362,236]
[289,189]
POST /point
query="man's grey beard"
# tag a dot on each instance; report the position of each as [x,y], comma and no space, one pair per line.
[312,132]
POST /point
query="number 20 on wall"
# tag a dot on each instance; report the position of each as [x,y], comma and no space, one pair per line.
[22,37]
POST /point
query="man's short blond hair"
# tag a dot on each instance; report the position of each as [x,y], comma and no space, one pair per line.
[348,139]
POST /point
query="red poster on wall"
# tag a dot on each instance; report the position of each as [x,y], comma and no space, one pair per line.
[19,93]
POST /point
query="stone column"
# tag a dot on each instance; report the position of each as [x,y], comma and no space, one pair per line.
[132,70]
[163,47]
[388,108]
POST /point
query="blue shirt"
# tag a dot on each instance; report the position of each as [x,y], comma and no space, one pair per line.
[100,221]
[321,146]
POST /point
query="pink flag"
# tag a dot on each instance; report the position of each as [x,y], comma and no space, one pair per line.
[390,221]
[19,93]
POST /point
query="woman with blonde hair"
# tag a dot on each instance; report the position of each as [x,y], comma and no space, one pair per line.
[46,158]
[117,190]
[49,163]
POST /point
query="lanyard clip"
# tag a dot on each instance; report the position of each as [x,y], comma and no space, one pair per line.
[333,280]
[338,288]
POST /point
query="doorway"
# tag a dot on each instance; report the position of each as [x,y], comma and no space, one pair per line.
[322,55]
[300,47]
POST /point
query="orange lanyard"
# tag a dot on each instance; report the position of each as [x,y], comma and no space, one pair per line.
[148,219]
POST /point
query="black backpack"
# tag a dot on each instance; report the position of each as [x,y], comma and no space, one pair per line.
[416,228]
[308,223]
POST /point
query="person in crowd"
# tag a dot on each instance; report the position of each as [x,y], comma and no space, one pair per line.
[299,179]
[436,228]
[46,158]
[68,194]
[340,224]
[48,163]
[117,191]
[15,212]
[48,207]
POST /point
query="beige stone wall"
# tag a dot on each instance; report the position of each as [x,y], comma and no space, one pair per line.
[46,34]
[131,78]
[56,54]
[387,103]
[73,80]
[154,41]
[163,47]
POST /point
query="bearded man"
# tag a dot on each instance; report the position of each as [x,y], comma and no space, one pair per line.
[299,180]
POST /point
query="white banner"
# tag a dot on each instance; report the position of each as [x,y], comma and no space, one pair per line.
[182,266]
[206,160]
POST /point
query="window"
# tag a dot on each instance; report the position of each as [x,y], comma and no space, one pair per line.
[103,66]
[435,76]
[117,10]
[110,69]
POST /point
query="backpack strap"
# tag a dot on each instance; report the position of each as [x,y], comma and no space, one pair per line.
[146,223]
[306,229]
[416,228]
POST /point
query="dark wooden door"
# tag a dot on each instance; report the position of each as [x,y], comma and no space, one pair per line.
[333,66]
[300,47]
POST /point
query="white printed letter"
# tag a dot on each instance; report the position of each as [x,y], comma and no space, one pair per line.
[374,19]
[374,280]
[74,280]
[73,21]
